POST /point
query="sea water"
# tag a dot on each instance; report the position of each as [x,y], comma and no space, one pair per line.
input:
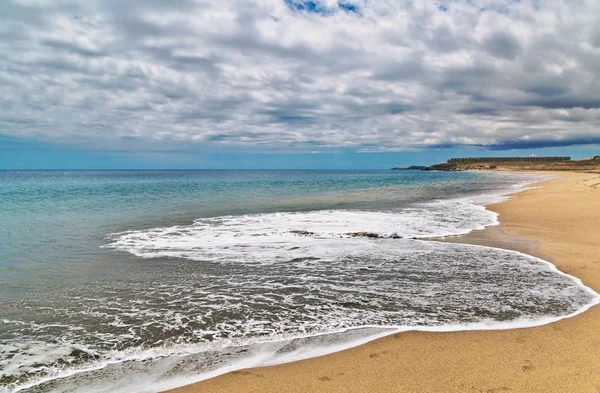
[145,280]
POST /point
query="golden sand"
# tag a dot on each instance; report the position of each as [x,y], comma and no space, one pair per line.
[559,221]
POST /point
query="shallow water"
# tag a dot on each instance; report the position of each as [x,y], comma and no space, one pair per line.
[162,278]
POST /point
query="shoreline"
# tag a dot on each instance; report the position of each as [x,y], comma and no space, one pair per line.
[505,236]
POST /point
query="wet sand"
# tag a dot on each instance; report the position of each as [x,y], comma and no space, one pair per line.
[559,222]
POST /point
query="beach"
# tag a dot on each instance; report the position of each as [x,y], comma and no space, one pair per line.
[220,279]
[559,220]
[299,196]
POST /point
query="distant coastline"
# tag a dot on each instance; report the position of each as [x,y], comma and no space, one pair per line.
[517,164]
[410,168]
[510,164]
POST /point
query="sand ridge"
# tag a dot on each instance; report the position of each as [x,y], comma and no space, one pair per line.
[559,221]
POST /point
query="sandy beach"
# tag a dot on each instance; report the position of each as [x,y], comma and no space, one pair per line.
[559,221]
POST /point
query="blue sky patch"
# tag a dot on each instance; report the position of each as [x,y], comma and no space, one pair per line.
[308,6]
[349,7]
[317,8]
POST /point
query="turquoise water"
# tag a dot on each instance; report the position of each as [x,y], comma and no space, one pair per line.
[53,222]
[164,276]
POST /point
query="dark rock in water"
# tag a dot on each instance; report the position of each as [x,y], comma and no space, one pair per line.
[410,168]
[303,259]
[83,355]
[5,380]
[363,234]
[303,233]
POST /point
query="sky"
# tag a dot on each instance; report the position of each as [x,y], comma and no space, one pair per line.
[97,84]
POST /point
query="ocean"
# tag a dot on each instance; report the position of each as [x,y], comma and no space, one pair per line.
[120,281]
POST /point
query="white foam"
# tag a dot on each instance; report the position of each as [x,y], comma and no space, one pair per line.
[157,377]
[319,254]
[276,237]
[539,282]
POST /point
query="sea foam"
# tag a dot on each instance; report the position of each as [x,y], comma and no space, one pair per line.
[276,237]
[277,287]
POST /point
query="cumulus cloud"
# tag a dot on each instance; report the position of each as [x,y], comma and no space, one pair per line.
[368,75]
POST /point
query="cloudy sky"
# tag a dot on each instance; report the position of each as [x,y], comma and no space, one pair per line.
[180,82]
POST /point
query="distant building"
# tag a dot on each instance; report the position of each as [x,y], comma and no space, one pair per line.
[507,159]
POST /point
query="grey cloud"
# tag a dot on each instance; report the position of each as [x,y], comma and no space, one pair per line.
[441,39]
[502,45]
[595,38]
[406,69]
[545,90]
[400,75]
[70,47]
[565,102]
[290,117]
[464,78]
[541,143]
[480,110]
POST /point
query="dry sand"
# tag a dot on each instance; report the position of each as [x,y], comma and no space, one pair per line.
[561,223]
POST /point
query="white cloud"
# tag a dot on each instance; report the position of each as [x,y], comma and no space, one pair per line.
[373,76]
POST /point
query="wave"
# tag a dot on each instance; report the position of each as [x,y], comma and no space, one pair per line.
[285,286]
[162,368]
[276,237]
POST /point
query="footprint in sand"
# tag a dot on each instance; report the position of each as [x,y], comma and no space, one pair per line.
[521,339]
[528,366]
[500,389]
[378,354]
[244,372]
